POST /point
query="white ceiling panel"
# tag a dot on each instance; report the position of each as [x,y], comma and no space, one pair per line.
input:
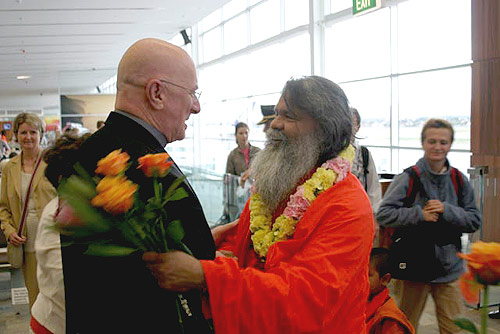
[72,45]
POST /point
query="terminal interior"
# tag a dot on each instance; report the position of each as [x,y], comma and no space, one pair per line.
[399,65]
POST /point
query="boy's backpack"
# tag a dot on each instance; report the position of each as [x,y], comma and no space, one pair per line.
[412,249]
[365,155]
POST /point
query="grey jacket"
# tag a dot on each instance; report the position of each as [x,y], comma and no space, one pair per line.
[451,224]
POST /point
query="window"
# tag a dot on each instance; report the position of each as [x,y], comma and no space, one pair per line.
[359,48]
[235,34]
[264,20]
[296,13]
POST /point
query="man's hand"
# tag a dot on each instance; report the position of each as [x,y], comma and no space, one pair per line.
[244,177]
[17,240]
[218,232]
[175,271]
[434,205]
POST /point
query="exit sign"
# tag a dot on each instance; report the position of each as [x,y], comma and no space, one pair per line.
[365,6]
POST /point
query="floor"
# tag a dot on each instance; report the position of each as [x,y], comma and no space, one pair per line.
[15,319]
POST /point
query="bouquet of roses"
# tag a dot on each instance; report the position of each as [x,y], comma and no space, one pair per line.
[98,207]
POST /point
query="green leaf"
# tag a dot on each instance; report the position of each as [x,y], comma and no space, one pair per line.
[178,194]
[466,324]
[175,230]
[108,250]
[173,187]
[78,186]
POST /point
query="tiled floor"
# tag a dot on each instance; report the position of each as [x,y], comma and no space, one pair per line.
[16,321]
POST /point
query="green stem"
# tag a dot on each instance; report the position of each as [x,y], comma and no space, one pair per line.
[484,311]
[178,304]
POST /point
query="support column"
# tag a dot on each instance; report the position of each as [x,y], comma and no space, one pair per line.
[485,116]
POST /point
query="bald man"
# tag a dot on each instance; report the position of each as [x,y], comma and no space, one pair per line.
[156,95]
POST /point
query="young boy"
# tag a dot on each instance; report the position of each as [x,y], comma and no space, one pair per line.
[382,314]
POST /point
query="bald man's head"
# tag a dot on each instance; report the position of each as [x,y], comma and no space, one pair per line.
[157,83]
[152,58]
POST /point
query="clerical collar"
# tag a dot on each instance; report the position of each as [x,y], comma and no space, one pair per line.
[151,129]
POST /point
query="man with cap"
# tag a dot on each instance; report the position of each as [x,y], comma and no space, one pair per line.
[268,113]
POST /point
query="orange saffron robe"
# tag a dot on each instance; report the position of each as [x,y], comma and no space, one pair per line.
[384,316]
[315,282]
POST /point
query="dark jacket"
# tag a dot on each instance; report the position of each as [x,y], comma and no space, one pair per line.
[447,230]
[119,295]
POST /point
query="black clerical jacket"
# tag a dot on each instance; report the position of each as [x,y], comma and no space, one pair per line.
[119,294]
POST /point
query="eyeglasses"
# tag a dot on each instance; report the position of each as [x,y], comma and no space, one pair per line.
[194,94]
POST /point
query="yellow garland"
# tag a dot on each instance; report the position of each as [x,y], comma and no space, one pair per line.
[263,236]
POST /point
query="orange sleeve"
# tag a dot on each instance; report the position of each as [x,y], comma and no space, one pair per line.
[316,282]
[392,326]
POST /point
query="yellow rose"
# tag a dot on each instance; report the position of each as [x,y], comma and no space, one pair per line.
[115,194]
[484,261]
[113,164]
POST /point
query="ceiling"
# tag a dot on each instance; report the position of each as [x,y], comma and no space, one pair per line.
[74,45]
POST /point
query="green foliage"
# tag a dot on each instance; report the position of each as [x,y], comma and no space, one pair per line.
[467,325]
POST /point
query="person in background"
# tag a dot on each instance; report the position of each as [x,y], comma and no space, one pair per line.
[303,241]
[100,124]
[48,311]
[16,176]
[268,116]
[382,314]
[4,149]
[240,158]
[363,165]
[431,222]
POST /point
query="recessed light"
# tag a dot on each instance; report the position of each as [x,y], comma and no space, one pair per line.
[23,77]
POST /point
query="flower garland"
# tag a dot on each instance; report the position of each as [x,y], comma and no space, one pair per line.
[265,233]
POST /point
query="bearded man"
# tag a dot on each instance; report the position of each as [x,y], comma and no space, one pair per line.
[302,244]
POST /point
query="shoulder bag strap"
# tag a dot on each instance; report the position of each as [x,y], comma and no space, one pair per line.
[25,209]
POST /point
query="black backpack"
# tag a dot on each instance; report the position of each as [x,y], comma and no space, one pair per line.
[412,253]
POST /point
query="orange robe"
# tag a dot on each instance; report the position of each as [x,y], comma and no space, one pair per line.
[315,282]
[384,317]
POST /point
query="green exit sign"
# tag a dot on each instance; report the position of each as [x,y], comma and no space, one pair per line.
[365,6]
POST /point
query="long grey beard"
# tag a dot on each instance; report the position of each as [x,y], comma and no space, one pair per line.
[278,168]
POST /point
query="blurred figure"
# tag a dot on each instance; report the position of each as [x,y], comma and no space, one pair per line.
[4,148]
[382,314]
[238,163]
[48,312]
[240,158]
[430,205]
[20,172]
[268,116]
[363,165]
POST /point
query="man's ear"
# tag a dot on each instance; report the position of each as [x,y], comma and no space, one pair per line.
[384,280]
[155,94]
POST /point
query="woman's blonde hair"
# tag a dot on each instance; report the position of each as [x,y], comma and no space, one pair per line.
[31,119]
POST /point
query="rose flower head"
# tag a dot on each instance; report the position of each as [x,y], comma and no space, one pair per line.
[113,164]
[115,194]
[155,165]
[469,287]
[484,262]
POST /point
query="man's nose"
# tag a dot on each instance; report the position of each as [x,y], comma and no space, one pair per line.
[276,124]
[196,108]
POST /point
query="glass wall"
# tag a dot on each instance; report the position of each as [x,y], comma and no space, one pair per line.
[398,65]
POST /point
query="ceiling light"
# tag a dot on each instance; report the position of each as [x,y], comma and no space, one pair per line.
[23,77]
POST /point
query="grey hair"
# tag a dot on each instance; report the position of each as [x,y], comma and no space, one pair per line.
[326,103]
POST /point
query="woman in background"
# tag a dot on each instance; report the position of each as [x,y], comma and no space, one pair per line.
[16,176]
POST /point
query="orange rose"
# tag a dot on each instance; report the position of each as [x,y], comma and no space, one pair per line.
[469,287]
[156,165]
[484,261]
[115,194]
[113,164]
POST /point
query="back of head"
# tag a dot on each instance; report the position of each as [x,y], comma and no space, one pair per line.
[61,157]
[436,123]
[326,103]
[380,258]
